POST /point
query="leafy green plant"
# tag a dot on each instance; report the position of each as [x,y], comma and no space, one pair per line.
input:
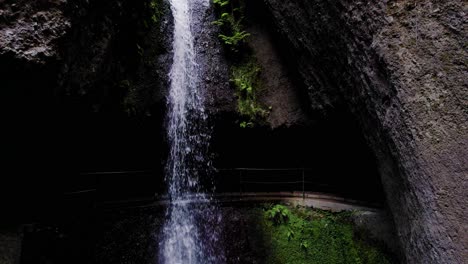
[221,2]
[235,39]
[304,245]
[290,234]
[156,13]
[245,78]
[278,214]
[245,124]
[155,10]
[313,236]
[245,72]
[230,21]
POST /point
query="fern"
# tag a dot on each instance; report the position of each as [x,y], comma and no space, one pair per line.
[235,39]
[279,214]
[245,72]
[230,20]
[221,3]
[245,78]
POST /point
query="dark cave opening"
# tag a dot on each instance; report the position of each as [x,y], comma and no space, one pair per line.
[333,153]
[330,146]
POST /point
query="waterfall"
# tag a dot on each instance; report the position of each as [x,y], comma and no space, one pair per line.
[188,136]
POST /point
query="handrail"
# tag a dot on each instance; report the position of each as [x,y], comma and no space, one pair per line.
[263,169]
[299,179]
[272,182]
[241,175]
[215,169]
[111,172]
[296,170]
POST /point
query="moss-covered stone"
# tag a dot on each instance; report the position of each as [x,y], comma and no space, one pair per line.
[313,236]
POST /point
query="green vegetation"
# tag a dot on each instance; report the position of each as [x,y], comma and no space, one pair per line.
[245,71]
[301,235]
[155,10]
[230,20]
[279,214]
[153,14]
[245,77]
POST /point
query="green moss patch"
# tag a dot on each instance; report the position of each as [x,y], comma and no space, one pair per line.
[245,77]
[245,71]
[301,235]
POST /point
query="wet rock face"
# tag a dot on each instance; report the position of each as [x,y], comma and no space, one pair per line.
[215,75]
[279,93]
[101,54]
[278,90]
[30,30]
[74,73]
[398,67]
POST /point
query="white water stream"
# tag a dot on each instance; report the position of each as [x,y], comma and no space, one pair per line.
[183,242]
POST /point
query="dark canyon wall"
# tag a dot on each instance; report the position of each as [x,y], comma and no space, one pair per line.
[81,92]
[400,68]
[83,84]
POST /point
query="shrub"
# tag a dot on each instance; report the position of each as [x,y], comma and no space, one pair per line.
[279,214]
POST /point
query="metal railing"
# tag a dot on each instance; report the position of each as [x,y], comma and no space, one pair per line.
[254,176]
[297,179]
[241,180]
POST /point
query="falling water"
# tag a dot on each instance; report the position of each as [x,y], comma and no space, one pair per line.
[183,241]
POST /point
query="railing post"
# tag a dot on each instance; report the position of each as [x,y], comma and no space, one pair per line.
[303,184]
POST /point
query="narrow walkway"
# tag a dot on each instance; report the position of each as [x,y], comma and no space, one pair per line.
[310,199]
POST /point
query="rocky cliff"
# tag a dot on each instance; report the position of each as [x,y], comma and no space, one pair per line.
[85,80]
[81,92]
[400,68]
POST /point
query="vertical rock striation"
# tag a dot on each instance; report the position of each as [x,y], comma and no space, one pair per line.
[400,68]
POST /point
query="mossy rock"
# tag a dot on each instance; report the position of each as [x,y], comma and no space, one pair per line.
[312,236]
